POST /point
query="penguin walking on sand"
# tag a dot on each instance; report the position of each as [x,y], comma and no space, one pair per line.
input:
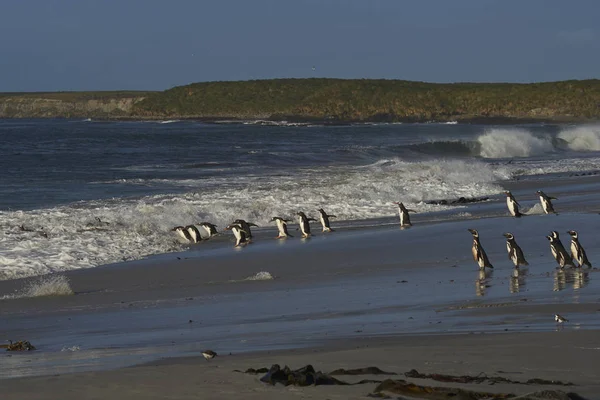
[325,220]
[281,227]
[558,250]
[515,254]
[183,233]
[194,233]
[577,251]
[478,253]
[239,233]
[404,217]
[513,205]
[546,202]
[246,227]
[304,223]
[211,229]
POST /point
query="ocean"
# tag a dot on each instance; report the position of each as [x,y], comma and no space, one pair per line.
[81,193]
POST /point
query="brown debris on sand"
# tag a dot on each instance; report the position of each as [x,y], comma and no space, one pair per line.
[413,373]
[21,345]
[411,391]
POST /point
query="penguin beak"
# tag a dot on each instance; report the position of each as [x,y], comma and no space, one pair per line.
[506,235]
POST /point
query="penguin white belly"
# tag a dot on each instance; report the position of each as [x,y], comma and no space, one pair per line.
[554,252]
[511,207]
[575,252]
[323,223]
[181,234]
[281,228]
[544,204]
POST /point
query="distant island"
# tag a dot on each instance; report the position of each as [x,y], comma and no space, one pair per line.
[324,100]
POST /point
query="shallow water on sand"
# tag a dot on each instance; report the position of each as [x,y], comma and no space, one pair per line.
[366,283]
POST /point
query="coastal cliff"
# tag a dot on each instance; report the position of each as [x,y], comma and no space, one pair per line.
[351,100]
[69,104]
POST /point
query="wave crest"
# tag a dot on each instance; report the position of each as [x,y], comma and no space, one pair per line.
[582,138]
[508,143]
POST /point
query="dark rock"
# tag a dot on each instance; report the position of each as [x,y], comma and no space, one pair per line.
[460,200]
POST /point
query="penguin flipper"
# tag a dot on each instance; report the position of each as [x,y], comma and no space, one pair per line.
[332,216]
[252,224]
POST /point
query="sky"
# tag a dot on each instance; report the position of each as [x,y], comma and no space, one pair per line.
[64,45]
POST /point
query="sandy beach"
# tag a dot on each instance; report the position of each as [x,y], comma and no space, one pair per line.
[367,294]
[386,297]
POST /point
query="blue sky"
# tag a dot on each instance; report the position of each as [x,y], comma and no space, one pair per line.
[50,45]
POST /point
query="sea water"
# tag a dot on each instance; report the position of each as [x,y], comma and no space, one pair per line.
[83,193]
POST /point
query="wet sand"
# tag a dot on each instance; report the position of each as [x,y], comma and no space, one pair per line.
[567,356]
[415,297]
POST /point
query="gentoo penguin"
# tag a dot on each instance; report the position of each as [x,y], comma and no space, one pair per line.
[246,227]
[211,229]
[577,251]
[239,233]
[303,221]
[325,220]
[404,217]
[183,233]
[478,253]
[209,354]
[515,254]
[546,202]
[194,233]
[560,319]
[513,205]
[281,227]
[558,250]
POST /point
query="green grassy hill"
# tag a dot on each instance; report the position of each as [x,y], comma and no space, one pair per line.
[325,99]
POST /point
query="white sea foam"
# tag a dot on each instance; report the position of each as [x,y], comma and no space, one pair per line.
[582,138]
[48,285]
[507,143]
[70,237]
[72,348]
[261,276]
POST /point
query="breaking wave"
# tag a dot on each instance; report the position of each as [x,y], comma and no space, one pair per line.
[91,233]
[583,138]
[506,143]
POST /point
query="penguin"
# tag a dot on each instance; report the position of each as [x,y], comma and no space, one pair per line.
[303,221]
[404,217]
[246,227]
[211,229]
[194,233]
[182,232]
[546,202]
[577,251]
[208,354]
[558,250]
[515,254]
[239,233]
[513,205]
[325,220]
[478,253]
[281,227]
